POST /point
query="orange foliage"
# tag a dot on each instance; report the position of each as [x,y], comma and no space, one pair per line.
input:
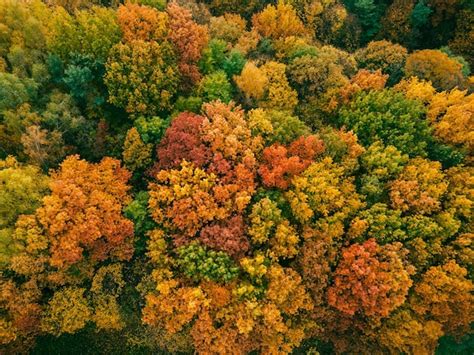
[83,212]
[280,164]
[175,308]
[363,80]
[141,22]
[370,279]
[189,39]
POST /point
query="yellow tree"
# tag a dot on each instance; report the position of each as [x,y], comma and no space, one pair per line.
[278,22]
[136,153]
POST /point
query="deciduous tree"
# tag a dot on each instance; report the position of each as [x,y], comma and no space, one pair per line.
[142,77]
[370,280]
[84,212]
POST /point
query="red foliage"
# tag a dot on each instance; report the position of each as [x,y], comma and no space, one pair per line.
[182,141]
[228,236]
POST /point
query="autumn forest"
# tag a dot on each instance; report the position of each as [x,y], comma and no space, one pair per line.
[236,177]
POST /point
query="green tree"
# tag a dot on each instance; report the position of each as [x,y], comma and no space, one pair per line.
[142,77]
[389,117]
[21,190]
[215,86]
[15,91]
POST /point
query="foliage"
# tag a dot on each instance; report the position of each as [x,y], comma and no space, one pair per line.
[142,77]
[443,72]
[181,141]
[450,114]
[322,191]
[280,164]
[389,117]
[215,86]
[15,91]
[278,21]
[83,212]
[236,177]
[136,154]
[67,311]
[92,32]
[276,126]
[445,290]
[419,187]
[369,264]
[188,38]
[228,236]
[380,165]
[143,23]
[384,55]
[198,263]
[22,188]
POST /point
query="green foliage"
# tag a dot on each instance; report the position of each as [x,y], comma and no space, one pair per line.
[21,189]
[368,15]
[383,224]
[137,211]
[277,126]
[142,77]
[380,164]
[83,76]
[389,117]
[189,104]
[215,86]
[217,57]
[237,177]
[420,14]
[151,129]
[199,263]
[91,33]
[15,91]
[466,69]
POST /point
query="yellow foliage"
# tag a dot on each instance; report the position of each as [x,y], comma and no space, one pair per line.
[252,81]
[107,313]
[278,21]
[67,312]
[452,116]
[322,191]
[280,95]
[185,199]
[419,188]
[247,42]
[445,293]
[416,89]
[136,154]
[460,193]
